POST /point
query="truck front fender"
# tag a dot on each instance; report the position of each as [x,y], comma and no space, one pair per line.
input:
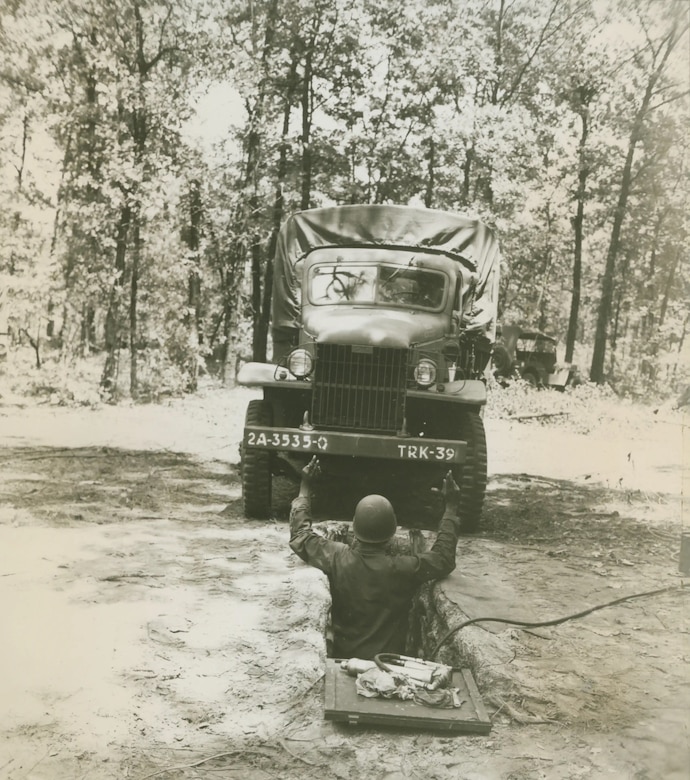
[462,391]
[268,374]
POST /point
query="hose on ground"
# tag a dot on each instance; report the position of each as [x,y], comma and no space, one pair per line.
[556,621]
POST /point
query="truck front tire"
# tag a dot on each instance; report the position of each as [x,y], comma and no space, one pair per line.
[256,466]
[471,476]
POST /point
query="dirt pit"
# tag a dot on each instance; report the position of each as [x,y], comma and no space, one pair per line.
[150,631]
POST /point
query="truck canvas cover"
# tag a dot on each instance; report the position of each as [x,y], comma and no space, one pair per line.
[466,240]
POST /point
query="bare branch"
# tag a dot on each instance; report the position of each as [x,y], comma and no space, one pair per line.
[163,25]
[545,35]
[159,56]
[671,99]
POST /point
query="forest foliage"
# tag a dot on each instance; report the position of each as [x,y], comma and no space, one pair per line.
[151,149]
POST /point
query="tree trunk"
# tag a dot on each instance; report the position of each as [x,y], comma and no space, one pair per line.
[681,341]
[668,287]
[252,240]
[35,344]
[88,330]
[133,320]
[431,175]
[578,229]
[193,314]
[22,155]
[253,211]
[597,373]
[542,300]
[113,325]
[231,320]
[305,201]
[259,333]
[614,334]
[278,205]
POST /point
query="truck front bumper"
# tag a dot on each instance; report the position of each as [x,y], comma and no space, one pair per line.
[359,445]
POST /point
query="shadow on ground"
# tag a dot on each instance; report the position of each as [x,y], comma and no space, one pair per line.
[106,485]
[570,516]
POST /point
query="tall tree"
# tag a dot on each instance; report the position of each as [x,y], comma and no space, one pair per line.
[580,99]
[653,57]
[122,67]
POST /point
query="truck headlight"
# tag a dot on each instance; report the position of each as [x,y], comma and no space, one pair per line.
[425,372]
[300,363]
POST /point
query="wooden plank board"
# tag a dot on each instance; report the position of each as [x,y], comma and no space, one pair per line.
[342,703]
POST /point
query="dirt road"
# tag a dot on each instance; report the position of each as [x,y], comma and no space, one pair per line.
[150,631]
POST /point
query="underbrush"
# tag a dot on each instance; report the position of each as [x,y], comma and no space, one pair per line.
[76,381]
[56,382]
[581,408]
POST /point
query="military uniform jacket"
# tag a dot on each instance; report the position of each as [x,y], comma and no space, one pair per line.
[371,588]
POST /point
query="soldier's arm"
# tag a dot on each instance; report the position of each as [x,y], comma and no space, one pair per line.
[311,547]
[439,561]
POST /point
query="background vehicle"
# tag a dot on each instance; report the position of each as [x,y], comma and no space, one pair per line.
[383,322]
[530,355]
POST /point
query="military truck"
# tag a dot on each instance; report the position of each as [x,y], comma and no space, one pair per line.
[383,322]
[529,354]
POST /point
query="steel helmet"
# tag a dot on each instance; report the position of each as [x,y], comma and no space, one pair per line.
[374,520]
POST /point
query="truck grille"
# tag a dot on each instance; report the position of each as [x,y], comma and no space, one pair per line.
[359,387]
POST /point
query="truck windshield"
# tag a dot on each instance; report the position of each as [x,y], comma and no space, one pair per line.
[538,345]
[385,285]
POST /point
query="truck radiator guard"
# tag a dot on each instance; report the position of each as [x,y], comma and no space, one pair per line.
[359,387]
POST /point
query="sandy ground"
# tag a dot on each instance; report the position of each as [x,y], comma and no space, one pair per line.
[150,631]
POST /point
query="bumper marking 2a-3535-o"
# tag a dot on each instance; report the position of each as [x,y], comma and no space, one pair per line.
[361,445]
[285,441]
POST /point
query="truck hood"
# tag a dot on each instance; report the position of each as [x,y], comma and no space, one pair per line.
[374,326]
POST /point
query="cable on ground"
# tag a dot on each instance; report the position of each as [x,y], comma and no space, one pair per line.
[556,621]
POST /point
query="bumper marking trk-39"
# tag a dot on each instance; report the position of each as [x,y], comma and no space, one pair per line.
[355,444]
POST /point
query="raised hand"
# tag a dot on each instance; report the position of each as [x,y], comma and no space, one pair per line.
[312,471]
[450,490]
